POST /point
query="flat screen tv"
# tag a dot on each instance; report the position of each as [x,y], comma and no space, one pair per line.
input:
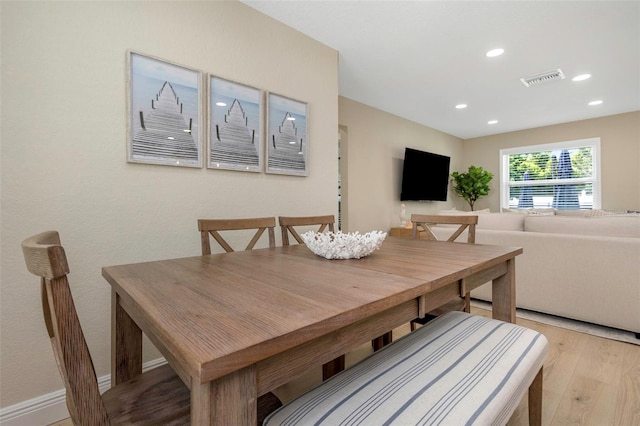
[425,176]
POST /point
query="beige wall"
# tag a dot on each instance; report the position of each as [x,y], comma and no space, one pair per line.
[64,159]
[620,155]
[375,149]
[372,149]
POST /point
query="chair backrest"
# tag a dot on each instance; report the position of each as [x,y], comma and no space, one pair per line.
[426,221]
[213,226]
[46,258]
[288,224]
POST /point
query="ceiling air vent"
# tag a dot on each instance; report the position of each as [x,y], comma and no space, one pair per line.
[543,78]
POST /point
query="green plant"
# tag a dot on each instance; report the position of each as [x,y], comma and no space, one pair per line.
[472,185]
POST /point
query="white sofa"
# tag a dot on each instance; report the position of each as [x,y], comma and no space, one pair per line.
[585,268]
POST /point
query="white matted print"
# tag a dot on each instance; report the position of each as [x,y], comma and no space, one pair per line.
[235,127]
[287,137]
[164,113]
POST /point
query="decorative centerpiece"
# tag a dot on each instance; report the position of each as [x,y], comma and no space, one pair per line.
[352,245]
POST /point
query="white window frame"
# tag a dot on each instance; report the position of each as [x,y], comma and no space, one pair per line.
[595,180]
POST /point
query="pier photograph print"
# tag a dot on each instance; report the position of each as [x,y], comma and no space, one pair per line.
[164,113]
[287,141]
[235,128]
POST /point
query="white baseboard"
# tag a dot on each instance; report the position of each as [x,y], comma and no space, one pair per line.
[52,407]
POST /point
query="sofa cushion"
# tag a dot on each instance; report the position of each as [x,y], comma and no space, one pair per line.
[534,211]
[579,213]
[600,212]
[501,221]
[606,226]
[596,213]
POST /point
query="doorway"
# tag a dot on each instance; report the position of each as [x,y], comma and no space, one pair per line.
[343,199]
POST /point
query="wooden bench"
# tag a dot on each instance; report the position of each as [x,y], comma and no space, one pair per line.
[458,369]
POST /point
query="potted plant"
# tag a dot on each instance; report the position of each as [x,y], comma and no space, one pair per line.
[472,185]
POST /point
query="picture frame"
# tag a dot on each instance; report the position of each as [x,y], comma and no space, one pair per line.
[164,112]
[235,139]
[287,142]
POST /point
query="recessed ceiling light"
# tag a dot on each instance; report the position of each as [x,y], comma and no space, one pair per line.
[581,77]
[461,106]
[221,104]
[593,103]
[492,122]
[495,52]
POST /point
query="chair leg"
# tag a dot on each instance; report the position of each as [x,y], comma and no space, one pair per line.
[267,404]
[535,400]
[332,367]
[413,325]
[377,343]
[381,341]
[467,302]
[387,338]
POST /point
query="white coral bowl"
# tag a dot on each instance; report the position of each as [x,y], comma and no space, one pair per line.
[352,245]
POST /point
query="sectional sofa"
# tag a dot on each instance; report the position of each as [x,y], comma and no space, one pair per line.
[579,265]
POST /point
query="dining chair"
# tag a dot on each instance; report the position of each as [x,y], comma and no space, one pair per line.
[157,396]
[460,224]
[288,224]
[214,226]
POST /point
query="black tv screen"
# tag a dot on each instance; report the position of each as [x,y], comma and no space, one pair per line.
[425,176]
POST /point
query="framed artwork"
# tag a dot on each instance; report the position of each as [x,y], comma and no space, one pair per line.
[164,113]
[235,126]
[287,138]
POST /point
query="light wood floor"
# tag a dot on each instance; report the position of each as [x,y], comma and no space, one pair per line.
[588,380]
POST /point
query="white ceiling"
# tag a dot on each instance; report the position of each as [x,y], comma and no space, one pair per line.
[418,59]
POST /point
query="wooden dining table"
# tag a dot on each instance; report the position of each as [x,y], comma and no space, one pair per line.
[235,326]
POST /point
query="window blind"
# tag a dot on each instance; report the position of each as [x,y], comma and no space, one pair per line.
[563,176]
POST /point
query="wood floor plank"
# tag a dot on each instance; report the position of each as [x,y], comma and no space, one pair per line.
[586,402]
[588,380]
[590,397]
[602,360]
[628,396]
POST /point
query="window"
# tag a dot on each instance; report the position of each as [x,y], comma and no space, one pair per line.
[563,175]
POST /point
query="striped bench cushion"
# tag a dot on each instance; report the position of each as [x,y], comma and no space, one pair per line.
[458,369]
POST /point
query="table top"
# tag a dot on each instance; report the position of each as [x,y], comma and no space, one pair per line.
[218,313]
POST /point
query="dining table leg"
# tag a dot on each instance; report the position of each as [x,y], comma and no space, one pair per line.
[503,294]
[126,344]
[228,400]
